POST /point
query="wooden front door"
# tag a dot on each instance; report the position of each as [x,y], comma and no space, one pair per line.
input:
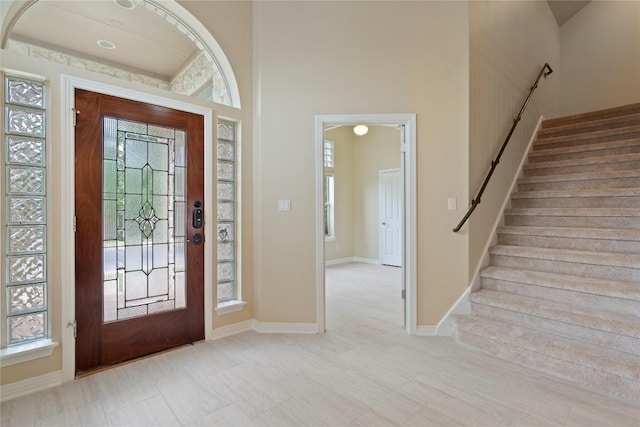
[139,243]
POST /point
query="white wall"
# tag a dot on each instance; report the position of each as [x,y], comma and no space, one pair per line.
[600,49]
[510,42]
[347,58]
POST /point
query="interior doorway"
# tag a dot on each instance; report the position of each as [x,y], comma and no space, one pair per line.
[358,178]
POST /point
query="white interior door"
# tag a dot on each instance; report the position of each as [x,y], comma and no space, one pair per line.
[391,190]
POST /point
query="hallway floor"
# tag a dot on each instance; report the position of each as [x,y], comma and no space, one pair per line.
[365,371]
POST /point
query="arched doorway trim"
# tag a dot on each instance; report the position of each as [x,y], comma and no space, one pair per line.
[176,14]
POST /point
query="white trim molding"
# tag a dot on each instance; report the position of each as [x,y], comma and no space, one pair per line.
[408,120]
[230,307]
[25,352]
[426,331]
[31,385]
[235,328]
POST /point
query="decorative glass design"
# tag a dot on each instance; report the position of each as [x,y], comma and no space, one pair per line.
[226,189]
[144,227]
[27,328]
[26,231]
[23,121]
[25,151]
[23,92]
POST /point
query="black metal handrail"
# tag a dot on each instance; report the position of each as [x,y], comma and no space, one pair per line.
[546,70]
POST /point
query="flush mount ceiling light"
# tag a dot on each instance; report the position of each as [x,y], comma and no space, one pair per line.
[127,4]
[106,44]
[360,130]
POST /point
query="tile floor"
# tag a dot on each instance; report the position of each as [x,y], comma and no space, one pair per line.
[365,371]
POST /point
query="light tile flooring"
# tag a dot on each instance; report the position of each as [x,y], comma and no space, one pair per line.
[365,371]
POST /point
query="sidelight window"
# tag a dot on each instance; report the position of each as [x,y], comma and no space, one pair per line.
[25,212]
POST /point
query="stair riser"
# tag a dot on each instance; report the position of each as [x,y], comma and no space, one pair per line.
[574,221]
[613,123]
[630,149]
[581,184]
[584,118]
[623,388]
[581,244]
[606,339]
[579,299]
[577,202]
[581,168]
[581,140]
[572,268]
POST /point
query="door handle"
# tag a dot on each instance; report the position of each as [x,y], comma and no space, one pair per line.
[197,219]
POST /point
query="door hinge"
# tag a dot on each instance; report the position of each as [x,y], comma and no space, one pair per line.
[74,223]
[75,114]
[73,325]
[404,294]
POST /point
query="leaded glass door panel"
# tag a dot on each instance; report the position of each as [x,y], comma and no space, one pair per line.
[139,261]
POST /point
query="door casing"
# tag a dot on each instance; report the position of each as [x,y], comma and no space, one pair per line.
[408,120]
[68,86]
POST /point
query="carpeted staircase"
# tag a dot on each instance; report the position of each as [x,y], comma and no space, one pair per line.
[562,291]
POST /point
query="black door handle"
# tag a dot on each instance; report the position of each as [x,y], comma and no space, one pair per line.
[197,215]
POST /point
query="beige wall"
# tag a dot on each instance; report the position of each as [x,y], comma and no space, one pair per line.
[341,246]
[378,149]
[232,22]
[346,58]
[358,160]
[600,49]
[510,42]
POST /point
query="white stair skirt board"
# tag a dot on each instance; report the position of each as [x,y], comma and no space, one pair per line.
[31,385]
[559,293]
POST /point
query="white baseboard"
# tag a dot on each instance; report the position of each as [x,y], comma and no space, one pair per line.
[352,259]
[31,385]
[284,328]
[338,261]
[426,331]
[236,328]
[366,260]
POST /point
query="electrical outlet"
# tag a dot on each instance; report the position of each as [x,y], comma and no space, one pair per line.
[452,204]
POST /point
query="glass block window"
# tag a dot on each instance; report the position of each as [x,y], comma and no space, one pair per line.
[329,188]
[227,230]
[328,154]
[25,248]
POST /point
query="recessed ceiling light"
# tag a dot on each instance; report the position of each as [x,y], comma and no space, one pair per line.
[106,44]
[127,4]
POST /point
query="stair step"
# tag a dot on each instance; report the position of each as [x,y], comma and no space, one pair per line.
[628,178]
[603,328]
[590,116]
[599,149]
[620,297]
[590,126]
[591,164]
[607,360]
[590,198]
[585,239]
[616,218]
[599,265]
[622,388]
[627,132]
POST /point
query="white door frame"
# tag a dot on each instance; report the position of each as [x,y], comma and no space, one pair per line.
[68,86]
[410,203]
[402,216]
